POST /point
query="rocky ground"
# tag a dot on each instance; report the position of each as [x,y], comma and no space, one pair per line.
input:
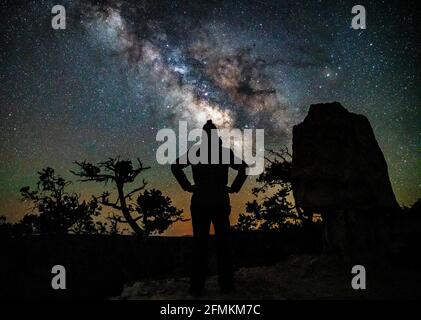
[297,277]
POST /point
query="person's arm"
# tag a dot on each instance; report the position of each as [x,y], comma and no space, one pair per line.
[180,176]
[241,177]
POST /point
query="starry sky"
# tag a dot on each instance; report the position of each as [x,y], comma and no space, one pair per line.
[122,70]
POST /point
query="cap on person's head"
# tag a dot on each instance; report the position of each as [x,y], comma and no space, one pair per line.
[209,126]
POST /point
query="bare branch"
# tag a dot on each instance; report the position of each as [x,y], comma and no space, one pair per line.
[121,220]
[90,172]
[144,184]
[117,219]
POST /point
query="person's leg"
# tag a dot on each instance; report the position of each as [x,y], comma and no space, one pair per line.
[201,224]
[221,223]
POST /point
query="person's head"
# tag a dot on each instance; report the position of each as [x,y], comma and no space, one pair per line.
[209,125]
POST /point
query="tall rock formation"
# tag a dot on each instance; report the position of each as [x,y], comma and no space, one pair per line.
[339,170]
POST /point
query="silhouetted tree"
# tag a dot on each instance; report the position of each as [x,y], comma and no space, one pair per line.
[24,227]
[246,222]
[55,210]
[114,222]
[5,227]
[275,210]
[154,210]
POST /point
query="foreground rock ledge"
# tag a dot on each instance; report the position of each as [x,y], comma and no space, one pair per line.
[297,277]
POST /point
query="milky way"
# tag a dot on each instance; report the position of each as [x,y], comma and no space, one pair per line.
[122,70]
[199,76]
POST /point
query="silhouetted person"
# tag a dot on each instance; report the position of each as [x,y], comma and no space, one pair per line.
[210,203]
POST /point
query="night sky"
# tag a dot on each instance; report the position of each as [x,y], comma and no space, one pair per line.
[123,70]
